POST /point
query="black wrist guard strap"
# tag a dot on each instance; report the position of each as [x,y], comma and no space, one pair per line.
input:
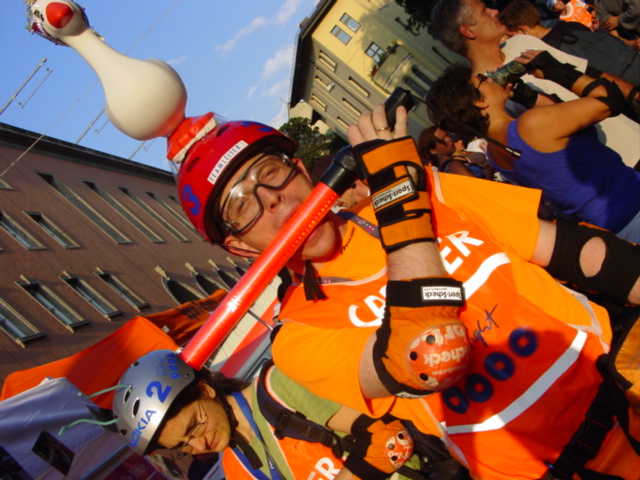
[401,203]
[563,74]
[425,292]
[523,94]
[619,271]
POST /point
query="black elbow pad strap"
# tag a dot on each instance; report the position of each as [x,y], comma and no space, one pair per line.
[615,98]
[618,273]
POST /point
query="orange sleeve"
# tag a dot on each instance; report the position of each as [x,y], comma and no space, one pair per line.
[508,212]
[326,361]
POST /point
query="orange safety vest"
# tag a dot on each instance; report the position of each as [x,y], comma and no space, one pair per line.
[309,461]
[578,11]
[533,373]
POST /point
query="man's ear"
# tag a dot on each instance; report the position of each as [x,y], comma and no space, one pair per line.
[239,248]
[303,169]
[467,31]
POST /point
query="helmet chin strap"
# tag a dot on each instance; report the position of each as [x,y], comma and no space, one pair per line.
[239,251]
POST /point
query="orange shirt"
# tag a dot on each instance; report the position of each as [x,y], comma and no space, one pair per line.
[535,343]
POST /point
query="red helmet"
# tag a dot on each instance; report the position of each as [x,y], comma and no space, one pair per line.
[212,160]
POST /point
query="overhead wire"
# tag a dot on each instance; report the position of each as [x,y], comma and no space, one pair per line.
[65,113]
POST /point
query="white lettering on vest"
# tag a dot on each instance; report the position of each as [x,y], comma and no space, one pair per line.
[458,241]
[324,469]
[375,304]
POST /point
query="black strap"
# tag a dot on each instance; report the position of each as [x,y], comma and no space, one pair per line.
[608,404]
[288,423]
[312,290]
[250,453]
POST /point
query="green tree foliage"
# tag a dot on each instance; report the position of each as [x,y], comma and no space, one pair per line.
[419,12]
[313,144]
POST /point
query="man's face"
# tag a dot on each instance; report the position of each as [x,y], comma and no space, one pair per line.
[278,206]
[484,23]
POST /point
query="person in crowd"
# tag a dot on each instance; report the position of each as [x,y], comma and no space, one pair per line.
[248,424]
[384,316]
[603,52]
[474,31]
[437,148]
[575,11]
[621,18]
[561,154]
[549,16]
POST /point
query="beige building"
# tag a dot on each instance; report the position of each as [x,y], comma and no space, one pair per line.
[87,242]
[350,56]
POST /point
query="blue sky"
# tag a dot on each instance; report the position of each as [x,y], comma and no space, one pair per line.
[234,56]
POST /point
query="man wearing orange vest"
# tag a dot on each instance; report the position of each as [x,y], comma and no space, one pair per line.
[437,285]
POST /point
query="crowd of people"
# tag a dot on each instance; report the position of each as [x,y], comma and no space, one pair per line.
[438,304]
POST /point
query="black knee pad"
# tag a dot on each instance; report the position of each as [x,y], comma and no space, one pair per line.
[619,271]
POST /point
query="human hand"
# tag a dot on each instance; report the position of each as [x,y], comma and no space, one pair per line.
[611,23]
[526,57]
[382,446]
[389,163]
[374,126]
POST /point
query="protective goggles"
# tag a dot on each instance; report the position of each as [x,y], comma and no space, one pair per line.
[242,207]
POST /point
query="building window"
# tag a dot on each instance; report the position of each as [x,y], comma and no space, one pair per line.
[91,296]
[422,75]
[376,52]
[180,292]
[342,122]
[315,99]
[73,198]
[416,87]
[328,61]
[153,214]
[126,213]
[16,326]
[121,289]
[351,107]
[340,34]
[69,318]
[353,82]
[53,230]
[350,23]
[14,229]
[171,211]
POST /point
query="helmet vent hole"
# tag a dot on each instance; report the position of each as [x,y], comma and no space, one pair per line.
[136,406]
[126,395]
[191,163]
[123,432]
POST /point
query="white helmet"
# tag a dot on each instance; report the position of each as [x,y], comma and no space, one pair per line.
[149,387]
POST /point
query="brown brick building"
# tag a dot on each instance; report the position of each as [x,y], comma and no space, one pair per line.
[87,242]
